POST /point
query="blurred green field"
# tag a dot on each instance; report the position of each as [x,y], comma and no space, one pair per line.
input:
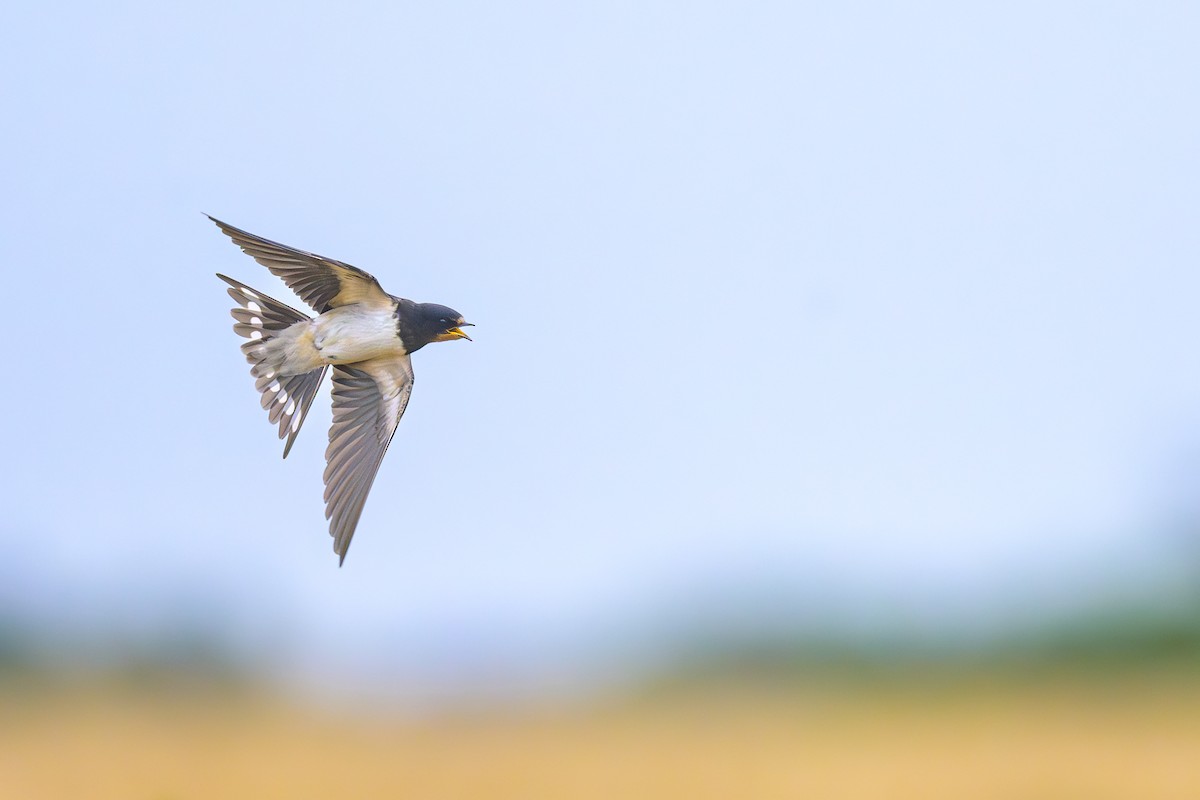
[1053,735]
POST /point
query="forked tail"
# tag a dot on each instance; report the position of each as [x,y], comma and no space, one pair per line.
[260,319]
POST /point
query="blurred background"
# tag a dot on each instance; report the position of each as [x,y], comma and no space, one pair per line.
[832,426]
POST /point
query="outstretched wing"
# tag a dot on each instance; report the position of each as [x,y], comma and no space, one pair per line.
[368,400]
[321,282]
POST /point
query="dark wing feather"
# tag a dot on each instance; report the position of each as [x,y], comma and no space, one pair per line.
[368,400]
[321,282]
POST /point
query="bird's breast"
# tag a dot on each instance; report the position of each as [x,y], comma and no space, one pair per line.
[353,333]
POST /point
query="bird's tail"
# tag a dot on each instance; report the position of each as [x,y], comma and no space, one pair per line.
[260,319]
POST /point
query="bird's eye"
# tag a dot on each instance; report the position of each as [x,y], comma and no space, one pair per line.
[443,321]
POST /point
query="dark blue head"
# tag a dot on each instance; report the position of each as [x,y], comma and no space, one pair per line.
[418,324]
[443,323]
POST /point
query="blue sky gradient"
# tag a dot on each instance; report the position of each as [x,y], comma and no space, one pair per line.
[892,307]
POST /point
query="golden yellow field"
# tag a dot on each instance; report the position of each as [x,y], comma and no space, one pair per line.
[1053,738]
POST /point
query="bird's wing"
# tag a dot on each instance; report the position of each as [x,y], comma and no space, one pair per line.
[321,282]
[368,400]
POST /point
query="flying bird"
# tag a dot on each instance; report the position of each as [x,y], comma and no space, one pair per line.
[367,335]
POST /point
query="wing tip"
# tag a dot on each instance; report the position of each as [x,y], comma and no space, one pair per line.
[229,230]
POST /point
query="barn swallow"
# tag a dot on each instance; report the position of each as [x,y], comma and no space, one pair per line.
[367,335]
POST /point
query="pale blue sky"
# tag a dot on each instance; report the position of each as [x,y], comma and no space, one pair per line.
[896,303]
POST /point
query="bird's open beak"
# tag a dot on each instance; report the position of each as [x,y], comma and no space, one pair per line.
[457,332]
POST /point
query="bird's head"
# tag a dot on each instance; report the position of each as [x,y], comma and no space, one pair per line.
[442,324]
